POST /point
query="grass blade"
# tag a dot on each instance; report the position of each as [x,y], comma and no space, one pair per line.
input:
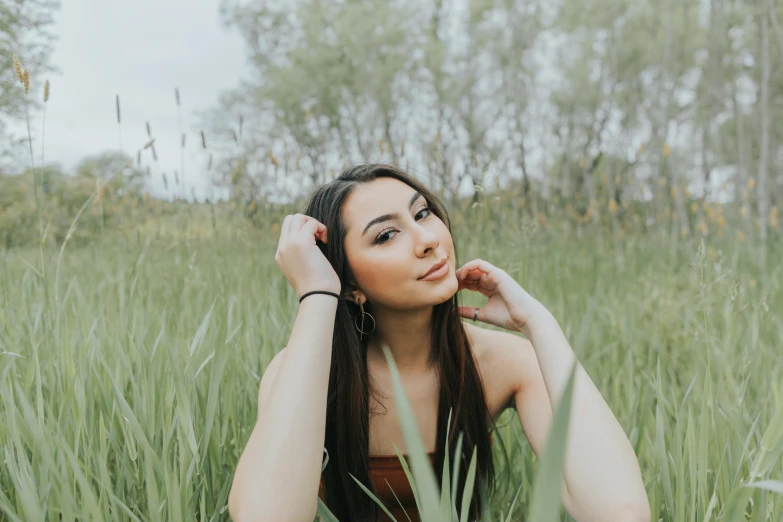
[375,499]
[422,469]
[545,504]
[467,493]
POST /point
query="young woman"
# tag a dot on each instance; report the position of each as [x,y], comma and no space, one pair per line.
[374,263]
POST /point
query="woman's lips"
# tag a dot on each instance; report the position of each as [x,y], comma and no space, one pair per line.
[437,274]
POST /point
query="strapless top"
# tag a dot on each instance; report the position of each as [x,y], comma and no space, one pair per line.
[391,486]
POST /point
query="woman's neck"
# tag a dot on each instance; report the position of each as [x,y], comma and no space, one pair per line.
[408,335]
[410,355]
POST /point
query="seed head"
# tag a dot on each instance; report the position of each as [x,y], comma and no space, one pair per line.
[26,81]
[46,91]
[18,68]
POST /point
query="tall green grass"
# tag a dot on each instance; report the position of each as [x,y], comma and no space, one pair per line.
[129,391]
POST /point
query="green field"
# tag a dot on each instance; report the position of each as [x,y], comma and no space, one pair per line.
[129,369]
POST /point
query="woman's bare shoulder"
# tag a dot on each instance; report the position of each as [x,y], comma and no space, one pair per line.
[495,353]
[491,346]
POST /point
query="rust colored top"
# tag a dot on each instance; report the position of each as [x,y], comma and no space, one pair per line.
[389,479]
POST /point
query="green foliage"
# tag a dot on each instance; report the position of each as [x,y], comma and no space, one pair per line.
[60,196]
[129,389]
[658,95]
[117,206]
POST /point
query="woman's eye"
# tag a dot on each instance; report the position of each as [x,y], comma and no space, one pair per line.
[425,209]
[383,236]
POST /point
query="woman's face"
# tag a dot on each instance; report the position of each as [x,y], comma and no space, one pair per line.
[392,240]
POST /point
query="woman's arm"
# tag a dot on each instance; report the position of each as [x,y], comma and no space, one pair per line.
[602,480]
[601,474]
[278,474]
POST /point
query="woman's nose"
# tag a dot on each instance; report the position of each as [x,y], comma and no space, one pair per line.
[425,240]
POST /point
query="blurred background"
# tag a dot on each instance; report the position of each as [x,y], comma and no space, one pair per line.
[589,109]
[621,159]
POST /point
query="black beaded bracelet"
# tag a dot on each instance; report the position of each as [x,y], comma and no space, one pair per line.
[319,292]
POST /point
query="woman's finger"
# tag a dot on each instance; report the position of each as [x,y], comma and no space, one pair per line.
[311,226]
[462,272]
[300,220]
[321,233]
[477,264]
[469,312]
[324,233]
[474,276]
[317,228]
[467,283]
[284,227]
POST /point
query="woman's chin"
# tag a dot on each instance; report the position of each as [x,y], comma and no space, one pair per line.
[447,290]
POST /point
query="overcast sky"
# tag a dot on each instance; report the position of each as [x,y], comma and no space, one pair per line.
[140,50]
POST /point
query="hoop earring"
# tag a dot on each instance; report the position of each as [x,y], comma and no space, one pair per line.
[361,329]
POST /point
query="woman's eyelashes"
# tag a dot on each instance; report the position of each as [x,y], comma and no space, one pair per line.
[379,238]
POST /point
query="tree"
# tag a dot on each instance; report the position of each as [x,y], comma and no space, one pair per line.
[115,166]
[327,84]
[23,32]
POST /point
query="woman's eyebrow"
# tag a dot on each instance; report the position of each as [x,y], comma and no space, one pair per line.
[386,217]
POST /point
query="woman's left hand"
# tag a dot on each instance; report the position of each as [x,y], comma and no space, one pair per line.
[509,305]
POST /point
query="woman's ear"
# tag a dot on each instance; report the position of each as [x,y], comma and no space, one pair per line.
[355,295]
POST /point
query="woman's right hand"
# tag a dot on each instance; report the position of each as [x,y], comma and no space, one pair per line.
[300,259]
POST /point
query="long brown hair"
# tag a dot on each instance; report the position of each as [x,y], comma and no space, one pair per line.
[347,410]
